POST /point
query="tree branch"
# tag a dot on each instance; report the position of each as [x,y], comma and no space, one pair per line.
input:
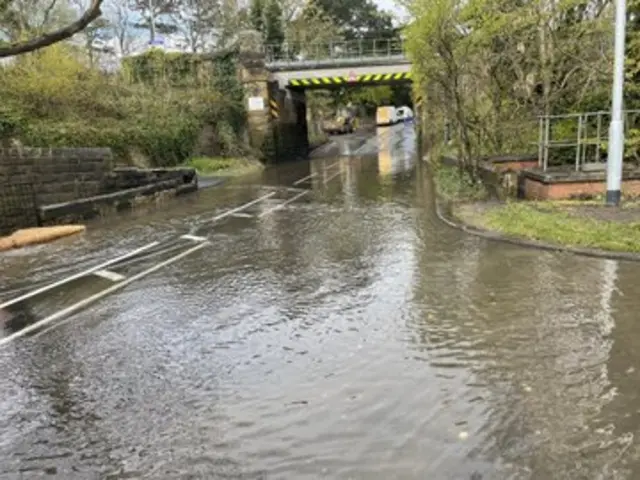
[92,13]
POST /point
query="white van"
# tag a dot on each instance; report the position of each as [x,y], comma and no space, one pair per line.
[404,114]
[386,116]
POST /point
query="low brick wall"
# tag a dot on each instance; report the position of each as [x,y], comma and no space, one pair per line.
[30,177]
[123,178]
[57,174]
[558,184]
[41,186]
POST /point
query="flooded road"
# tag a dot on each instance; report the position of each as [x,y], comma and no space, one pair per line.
[345,335]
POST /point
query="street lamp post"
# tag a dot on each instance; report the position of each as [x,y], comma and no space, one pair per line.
[616,129]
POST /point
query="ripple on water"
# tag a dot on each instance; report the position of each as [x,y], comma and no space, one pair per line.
[348,337]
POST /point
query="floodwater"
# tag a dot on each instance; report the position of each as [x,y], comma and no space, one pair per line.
[346,335]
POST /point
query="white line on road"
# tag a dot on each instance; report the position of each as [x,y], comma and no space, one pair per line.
[78,275]
[94,298]
[242,207]
[308,177]
[242,215]
[283,204]
[109,275]
[193,238]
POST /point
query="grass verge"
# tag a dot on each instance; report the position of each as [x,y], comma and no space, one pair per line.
[224,166]
[549,222]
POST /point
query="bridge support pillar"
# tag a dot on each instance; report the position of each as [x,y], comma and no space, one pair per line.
[254,77]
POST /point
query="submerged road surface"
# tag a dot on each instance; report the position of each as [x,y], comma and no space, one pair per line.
[345,335]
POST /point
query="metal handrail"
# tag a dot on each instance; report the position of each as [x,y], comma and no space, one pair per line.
[299,52]
[586,122]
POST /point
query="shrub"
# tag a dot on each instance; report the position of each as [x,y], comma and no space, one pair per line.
[53,98]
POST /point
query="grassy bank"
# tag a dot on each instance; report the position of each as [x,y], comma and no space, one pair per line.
[563,223]
[585,224]
[224,166]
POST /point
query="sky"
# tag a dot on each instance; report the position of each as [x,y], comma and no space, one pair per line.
[392,6]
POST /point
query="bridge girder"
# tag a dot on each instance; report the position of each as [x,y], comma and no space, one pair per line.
[338,77]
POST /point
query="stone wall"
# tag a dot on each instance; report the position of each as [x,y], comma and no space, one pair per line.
[30,177]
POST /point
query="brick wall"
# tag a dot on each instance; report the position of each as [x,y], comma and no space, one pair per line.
[30,177]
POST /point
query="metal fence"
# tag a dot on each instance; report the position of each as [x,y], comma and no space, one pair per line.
[366,49]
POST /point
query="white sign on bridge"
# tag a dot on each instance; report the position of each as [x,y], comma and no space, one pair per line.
[256,104]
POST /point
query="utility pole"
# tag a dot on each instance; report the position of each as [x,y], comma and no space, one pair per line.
[616,129]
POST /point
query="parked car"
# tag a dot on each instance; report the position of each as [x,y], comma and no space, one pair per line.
[343,123]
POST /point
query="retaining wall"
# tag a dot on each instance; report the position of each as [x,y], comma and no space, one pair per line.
[43,186]
[38,176]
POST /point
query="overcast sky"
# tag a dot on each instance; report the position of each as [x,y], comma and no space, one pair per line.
[392,6]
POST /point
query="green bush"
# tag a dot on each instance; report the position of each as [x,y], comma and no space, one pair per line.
[51,98]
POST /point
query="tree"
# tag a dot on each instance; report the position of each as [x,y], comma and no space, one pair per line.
[359,19]
[121,22]
[230,20]
[489,67]
[273,28]
[198,21]
[95,35]
[156,15]
[256,15]
[18,47]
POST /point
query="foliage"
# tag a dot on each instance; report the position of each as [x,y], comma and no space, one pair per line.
[273,26]
[30,25]
[456,185]
[55,99]
[156,15]
[224,166]
[488,68]
[358,18]
[196,20]
[266,16]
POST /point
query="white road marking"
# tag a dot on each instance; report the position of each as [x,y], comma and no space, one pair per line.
[303,179]
[194,238]
[94,298]
[242,207]
[84,273]
[242,215]
[109,275]
[283,204]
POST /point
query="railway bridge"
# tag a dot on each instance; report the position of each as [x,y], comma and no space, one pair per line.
[276,78]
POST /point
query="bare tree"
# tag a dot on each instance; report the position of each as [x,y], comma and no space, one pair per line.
[46,39]
[152,11]
[120,18]
[198,22]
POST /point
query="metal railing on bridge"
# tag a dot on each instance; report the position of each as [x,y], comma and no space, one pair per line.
[338,52]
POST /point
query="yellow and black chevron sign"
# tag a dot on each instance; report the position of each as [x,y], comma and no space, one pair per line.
[367,78]
[274,109]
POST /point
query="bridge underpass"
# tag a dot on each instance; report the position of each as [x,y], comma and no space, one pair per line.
[282,75]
